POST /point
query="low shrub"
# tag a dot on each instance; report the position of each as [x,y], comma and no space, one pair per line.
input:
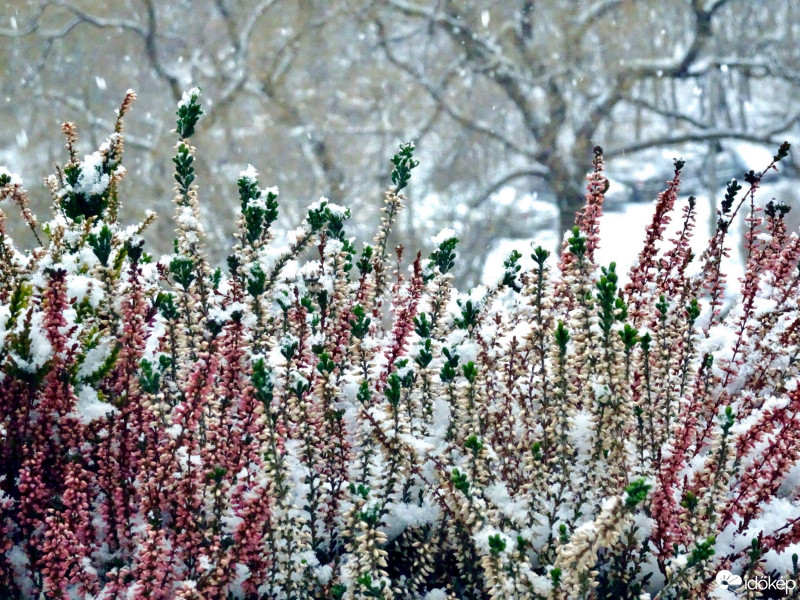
[319,420]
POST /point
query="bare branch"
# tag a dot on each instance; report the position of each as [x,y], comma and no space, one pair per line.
[714,6]
[284,56]
[665,112]
[81,108]
[768,138]
[241,45]
[31,28]
[438,97]
[80,16]
[101,23]
[602,108]
[148,34]
[679,67]
[493,63]
[700,136]
[499,184]
[151,48]
[594,13]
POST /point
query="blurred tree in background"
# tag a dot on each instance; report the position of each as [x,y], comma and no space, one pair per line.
[500,96]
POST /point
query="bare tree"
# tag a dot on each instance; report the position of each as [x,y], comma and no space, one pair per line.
[317,95]
[568,75]
[272,70]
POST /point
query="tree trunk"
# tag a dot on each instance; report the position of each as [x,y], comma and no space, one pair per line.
[567,186]
[570,198]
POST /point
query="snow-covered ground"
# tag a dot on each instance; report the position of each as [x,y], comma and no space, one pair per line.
[623,223]
[622,234]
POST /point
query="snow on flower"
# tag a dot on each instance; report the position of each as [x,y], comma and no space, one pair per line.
[13,178]
[443,236]
[188,96]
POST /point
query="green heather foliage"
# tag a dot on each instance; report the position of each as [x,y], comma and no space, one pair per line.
[291,427]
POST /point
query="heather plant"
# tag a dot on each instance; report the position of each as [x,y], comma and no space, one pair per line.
[319,419]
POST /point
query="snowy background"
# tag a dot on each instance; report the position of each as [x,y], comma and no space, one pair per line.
[505,101]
